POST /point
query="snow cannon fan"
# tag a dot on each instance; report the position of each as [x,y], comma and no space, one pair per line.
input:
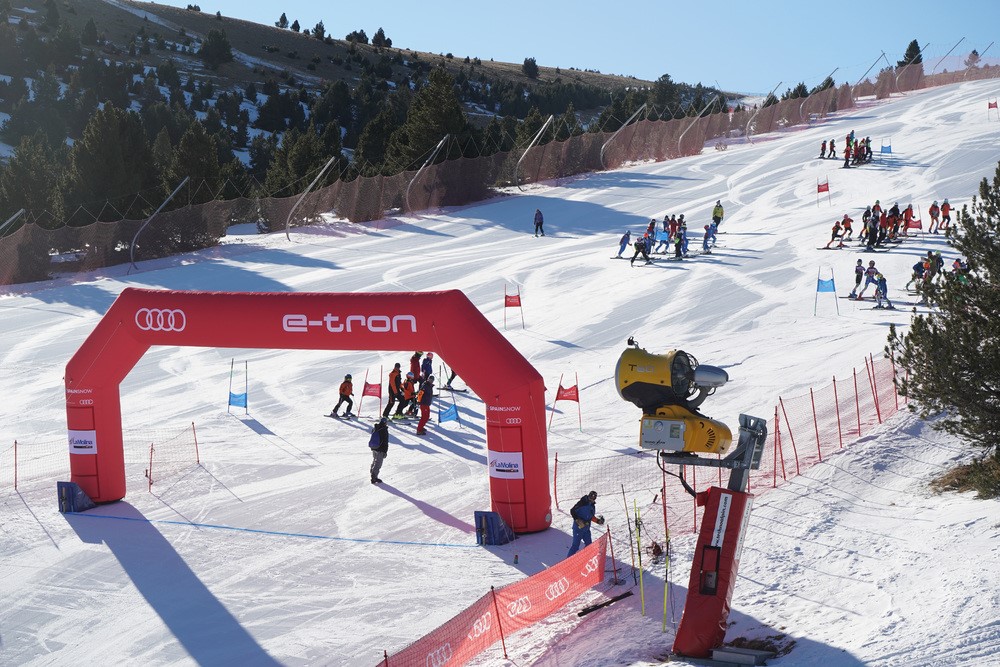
[668,388]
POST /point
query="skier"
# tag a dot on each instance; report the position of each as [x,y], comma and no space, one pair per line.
[847,154]
[835,236]
[415,365]
[934,211]
[651,228]
[583,513]
[833,150]
[882,293]
[848,230]
[427,366]
[709,241]
[683,233]
[346,391]
[425,397]
[908,220]
[539,221]
[394,389]
[859,273]
[917,276]
[625,241]
[822,149]
[945,215]
[379,444]
[717,213]
[870,274]
[407,400]
[640,249]
[678,246]
[663,235]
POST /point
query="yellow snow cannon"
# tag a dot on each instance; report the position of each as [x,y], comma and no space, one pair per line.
[668,388]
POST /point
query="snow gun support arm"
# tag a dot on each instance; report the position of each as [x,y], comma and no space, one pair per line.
[743,459]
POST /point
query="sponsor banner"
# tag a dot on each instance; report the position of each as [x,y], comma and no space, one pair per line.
[83,442]
[568,394]
[506,465]
[513,608]
[721,519]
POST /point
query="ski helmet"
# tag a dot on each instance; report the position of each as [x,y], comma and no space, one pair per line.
[410,375]
[347,377]
[871,263]
[430,355]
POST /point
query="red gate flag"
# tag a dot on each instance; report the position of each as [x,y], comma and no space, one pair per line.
[372,389]
[991,105]
[823,187]
[568,394]
[512,300]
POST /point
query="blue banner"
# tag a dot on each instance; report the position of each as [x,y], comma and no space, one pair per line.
[448,415]
[238,400]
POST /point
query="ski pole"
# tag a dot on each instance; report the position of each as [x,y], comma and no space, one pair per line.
[638,539]
[628,522]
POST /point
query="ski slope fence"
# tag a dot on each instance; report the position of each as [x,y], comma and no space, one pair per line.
[156,455]
[803,431]
[101,234]
[499,614]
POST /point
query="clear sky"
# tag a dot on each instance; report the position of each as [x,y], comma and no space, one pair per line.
[743,46]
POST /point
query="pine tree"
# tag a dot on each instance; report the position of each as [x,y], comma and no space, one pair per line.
[952,357]
[89,35]
[216,49]
[380,40]
[31,176]
[530,68]
[282,22]
[973,59]
[295,26]
[434,112]
[912,55]
[112,161]
[319,31]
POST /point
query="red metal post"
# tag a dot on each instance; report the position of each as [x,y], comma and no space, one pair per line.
[812,399]
[197,457]
[555,480]
[857,400]
[791,436]
[895,391]
[553,413]
[836,404]
[496,606]
[874,388]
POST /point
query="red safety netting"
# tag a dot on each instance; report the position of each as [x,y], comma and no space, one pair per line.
[502,612]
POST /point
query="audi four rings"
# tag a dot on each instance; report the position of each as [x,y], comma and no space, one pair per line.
[160,319]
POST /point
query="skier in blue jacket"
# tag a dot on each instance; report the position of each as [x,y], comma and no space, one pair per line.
[427,365]
[625,242]
[583,513]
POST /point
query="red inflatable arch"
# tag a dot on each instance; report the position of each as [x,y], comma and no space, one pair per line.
[443,322]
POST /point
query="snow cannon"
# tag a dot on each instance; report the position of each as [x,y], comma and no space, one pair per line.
[668,388]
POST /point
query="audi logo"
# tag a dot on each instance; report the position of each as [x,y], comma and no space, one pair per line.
[513,420]
[439,656]
[481,626]
[519,606]
[590,567]
[160,319]
[557,589]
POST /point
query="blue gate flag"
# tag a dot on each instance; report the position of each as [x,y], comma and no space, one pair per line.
[238,400]
[825,285]
[448,415]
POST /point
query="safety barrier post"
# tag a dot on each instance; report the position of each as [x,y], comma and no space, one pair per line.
[149,471]
[694,501]
[857,399]
[15,465]
[385,658]
[555,480]
[812,399]
[836,404]
[874,388]
[895,390]
[503,642]
[779,453]
[614,566]
[791,436]
[197,456]
[553,413]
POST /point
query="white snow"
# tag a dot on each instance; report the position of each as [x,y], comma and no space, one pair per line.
[276,549]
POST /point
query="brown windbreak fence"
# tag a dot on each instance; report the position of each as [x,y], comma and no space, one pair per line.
[30,252]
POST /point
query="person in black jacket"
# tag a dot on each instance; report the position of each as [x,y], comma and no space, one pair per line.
[424,399]
[379,444]
[583,513]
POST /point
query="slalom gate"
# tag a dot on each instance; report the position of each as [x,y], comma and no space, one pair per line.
[499,614]
[805,430]
[87,241]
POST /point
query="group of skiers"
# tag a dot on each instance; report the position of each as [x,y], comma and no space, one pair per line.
[856,151]
[882,226]
[872,276]
[674,232]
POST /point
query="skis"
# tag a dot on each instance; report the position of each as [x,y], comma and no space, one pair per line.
[602,605]
[461,391]
[833,248]
[347,417]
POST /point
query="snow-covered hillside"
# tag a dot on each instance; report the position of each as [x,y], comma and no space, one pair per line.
[276,549]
